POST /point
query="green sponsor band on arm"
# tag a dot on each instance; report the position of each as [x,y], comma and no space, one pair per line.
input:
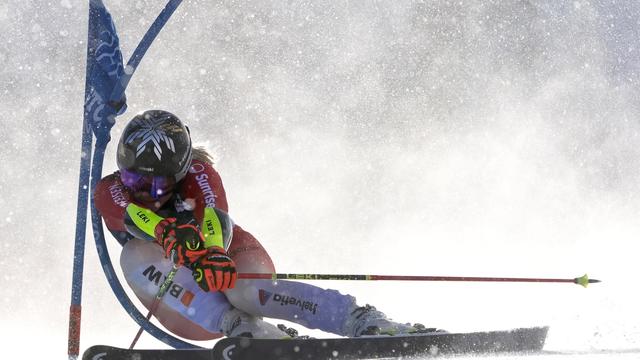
[212,229]
[145,219]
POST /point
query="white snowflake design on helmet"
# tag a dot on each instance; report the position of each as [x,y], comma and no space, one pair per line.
[151,132]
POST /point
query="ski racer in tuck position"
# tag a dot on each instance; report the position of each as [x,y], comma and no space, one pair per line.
[167,205]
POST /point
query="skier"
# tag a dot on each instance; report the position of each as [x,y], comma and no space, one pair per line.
[166,205]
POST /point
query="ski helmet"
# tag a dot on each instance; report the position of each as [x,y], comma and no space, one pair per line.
[155,143]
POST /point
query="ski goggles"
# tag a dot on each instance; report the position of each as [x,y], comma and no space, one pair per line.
[157,186]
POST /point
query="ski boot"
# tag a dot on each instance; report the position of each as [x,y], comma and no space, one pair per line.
[237,323]
[367,321]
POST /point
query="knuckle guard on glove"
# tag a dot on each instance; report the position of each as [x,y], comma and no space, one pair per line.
[185,240]
[215,271]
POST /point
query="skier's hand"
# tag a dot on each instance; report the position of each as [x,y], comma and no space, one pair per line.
[215,271]
[185,239]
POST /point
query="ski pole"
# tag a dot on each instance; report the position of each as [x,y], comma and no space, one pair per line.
[156,301]
[583,280]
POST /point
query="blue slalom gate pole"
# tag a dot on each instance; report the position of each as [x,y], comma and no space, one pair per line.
[106,81]
[75,310]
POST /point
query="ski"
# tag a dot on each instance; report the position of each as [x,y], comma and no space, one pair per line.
[525,340]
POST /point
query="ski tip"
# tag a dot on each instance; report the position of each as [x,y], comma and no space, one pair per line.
[585,281]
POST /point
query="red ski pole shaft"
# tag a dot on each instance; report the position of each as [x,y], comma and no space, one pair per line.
[583,280]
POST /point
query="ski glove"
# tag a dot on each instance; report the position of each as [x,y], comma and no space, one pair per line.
[185,239]
[216,271]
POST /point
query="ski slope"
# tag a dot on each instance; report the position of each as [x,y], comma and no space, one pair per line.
[484,139]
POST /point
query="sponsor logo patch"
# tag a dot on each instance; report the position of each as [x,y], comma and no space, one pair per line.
[175,290]
[187,298]
[207,191]
[196,168]
[286,300]
[118,196]
[264,296]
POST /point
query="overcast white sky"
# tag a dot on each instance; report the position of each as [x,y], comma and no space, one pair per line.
[486,138]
